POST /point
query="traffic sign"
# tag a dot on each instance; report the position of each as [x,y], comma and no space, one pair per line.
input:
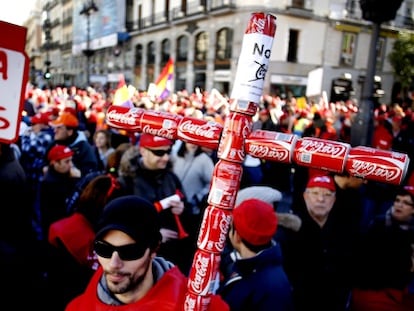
[14,73]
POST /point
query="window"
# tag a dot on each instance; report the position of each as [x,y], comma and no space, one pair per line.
[151,53]
[201,47]
[138,55]
[224,44]
[182,48]
[298,4]
[293,46]
[165,51]
[348,49]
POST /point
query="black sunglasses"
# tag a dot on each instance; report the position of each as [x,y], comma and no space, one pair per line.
[125,252]
[160,153]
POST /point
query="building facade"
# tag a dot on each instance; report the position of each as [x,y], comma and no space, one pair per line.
[204,38]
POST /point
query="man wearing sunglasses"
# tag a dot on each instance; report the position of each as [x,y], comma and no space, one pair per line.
[131,276]
[150,176]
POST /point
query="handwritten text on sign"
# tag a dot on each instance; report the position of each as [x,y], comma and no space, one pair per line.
[13,77]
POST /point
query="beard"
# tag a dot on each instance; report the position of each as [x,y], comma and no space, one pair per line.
[128,284]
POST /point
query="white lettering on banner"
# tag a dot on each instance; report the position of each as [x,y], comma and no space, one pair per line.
[12,65]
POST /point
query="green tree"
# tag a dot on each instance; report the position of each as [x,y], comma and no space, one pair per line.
[402,60]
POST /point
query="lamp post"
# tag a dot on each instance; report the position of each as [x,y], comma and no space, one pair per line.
[376,12]
[47,28]
[88,8]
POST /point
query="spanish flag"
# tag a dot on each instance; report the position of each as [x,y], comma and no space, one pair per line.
[165,79]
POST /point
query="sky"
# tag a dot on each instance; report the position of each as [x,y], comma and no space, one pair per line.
[16,11]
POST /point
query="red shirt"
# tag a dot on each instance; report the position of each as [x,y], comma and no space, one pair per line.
[168,294]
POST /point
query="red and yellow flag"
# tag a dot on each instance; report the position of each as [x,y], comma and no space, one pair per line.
[165,79]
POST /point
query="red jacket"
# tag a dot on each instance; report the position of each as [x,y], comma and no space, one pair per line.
[77,235]
[168,294]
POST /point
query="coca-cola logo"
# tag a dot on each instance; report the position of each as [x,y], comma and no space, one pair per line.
[224,223]
[311,146]
[259,151]
[201,130]
[128,118]
[201,269]
[167,133]
[258,25]
[368,169]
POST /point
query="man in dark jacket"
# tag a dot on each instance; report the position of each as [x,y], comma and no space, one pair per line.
[258,281]
[67,134]
[318,257]
[150,176]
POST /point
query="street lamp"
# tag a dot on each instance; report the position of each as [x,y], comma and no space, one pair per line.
[47,28]
[363,124]
[88,8]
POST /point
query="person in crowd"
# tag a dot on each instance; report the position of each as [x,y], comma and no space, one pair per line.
[67,134]
[270,169]
[147,172]
[317,258]
[59,182]
[258,280]
[286,220]
[350,203]
[18,244]
[131,275]
[34,144]
[385,261]
[102,147]
[112,168]
[72,261]
[194,168]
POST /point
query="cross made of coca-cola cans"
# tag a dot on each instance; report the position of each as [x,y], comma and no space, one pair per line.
[235,138]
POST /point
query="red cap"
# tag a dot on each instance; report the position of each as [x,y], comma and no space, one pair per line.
[151,141]
[255,221]
[67,119]
[321,181]
[409,189]
[382,138]
[59,152]
[40,118]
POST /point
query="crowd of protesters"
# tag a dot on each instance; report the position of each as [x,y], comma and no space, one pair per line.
[68,164]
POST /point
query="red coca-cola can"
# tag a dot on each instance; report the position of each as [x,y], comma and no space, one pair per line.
[195,302]
[272,146]
[254,57]
[203,273]
[377,164]
[124,118]
[214,227]
[243,106]
[321,153]
[262,23]
[160,123]
[225,184]
[200,132]
[237,127]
